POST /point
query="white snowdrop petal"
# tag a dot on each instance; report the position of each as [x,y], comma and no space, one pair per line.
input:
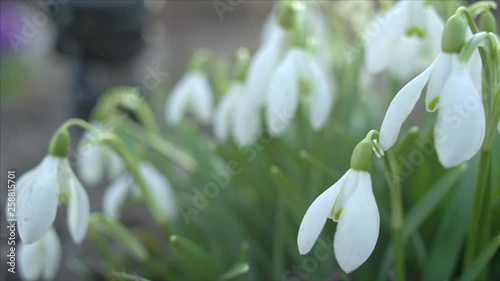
[349,186]
[475,67]
[383,33]
[282,98]
[90,162]
[460,127]
[114,164]
[358,227]
[52,257]
[437,80]
[114,196]
[316,216]
[404,57]
[30,266]
[321,99]
[201,98]
[401,106]
[78,210]
[246,125]
[37,203]
[179,99]
[161,190]
[223,115]
[261,69]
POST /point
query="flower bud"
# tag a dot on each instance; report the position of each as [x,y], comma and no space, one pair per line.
[361,159]
[487,22]
[453,35]
[199,60]
[59,144]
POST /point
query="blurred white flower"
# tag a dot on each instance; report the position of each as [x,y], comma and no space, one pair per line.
[349,201]
[115,195]
[40,259]
[453,87]
[192,93]
[226,110]
[40,190]
[409,32]
[94,160]
[297,69]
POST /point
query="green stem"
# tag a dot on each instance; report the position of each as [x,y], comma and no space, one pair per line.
[392,177]
[80,123]
[133,168]
[479,224]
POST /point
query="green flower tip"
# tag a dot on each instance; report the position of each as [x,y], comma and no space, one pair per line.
[487,22]
[288,13]
[453,35]
[361,159]
[241,65]
[199,60]
[59,144]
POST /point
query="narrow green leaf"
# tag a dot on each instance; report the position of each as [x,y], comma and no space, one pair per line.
[481,262]
[425,206]
[237,270]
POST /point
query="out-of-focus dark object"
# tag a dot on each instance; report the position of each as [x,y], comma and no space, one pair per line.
[104,37]
[103,31]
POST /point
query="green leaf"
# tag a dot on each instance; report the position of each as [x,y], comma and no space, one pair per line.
[237,270]
[481,262]
[117,231]
[196,260]
[444,252]
[429,202]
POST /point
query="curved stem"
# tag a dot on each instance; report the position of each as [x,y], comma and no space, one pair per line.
[392,177]
[82,124]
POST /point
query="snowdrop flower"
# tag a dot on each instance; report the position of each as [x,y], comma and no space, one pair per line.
[453,88]
[42,188]
[298,75]
[408,32]
[226,110]
[192,92]
[96,159]
[351,203]
[115,195]
[40,259]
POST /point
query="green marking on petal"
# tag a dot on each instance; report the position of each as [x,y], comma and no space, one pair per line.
[304,87]
[415,31]
[433,104]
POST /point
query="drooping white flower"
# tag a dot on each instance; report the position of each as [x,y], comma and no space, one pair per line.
[192,93]
[452,89]
[38,197]
[398,39]
[115,195]
[298,67]
[40,259]
[226,111]
[351,203]
[94,160]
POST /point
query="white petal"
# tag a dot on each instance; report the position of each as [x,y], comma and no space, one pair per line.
[321,99]
[114,164]
[460,127]
[404,57]
[161,190]
[30,266]
[114,196]
[52,258]
[437,80]
[261,69]
[78,209]
[246,126]
[475,68]
[201,97]
[282,98]
[89,165]
[383,33]
[316,216]
[179,99]
[401,106]
[223,115]
[434,29]
[37,205]
[358,228]
[352,178]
